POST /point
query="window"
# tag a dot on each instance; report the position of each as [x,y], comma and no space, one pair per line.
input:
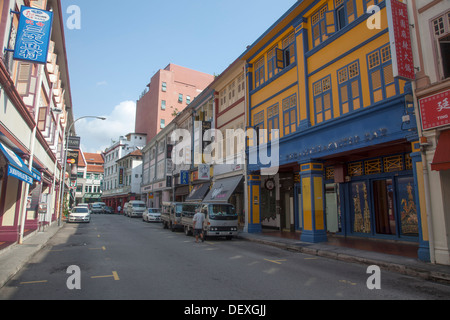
[289,49]
[23,78]
[163,104]
[345,12]
[180,97]
[289,106]
[322,100]
[258,124]
[188,99]
[259,72]
[164,87]
[318,22]
[349,83]
[273,121]
[42,117]
[272,62]
[162,124]
[381,77]
[441,30]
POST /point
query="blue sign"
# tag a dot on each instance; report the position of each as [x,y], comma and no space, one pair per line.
[36,175]
[184,177]
[16,167]
[33,35]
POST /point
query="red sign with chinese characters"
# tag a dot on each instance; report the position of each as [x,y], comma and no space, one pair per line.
[400,39]
[435,110]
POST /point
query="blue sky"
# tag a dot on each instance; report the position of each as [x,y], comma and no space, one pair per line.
[121,44]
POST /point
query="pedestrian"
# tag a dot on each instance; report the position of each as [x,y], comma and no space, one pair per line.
[198,220]
[119,208]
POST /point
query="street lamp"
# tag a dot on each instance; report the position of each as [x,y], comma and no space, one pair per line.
[67,133]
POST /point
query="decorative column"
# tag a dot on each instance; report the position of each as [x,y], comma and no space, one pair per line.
[253,205]
[419,187]
[313,203]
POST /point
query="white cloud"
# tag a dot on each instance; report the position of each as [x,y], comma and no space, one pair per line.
[97,135]
[102,83]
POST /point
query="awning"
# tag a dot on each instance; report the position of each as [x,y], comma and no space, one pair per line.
[181,191]
[441,160]
[198,192]
[16,167]
[223,189]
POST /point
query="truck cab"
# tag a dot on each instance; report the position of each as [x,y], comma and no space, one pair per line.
[221,220]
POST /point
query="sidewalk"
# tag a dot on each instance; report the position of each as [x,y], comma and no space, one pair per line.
[395,263]
[16,256]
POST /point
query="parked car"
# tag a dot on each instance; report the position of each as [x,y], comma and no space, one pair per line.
[109,210]
[152,214]
[97,208]
[135,208]
[80,214]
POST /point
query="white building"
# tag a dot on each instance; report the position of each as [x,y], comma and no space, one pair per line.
[431,36]
[114,193]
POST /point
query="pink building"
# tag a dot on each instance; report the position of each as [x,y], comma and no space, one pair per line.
[169,92]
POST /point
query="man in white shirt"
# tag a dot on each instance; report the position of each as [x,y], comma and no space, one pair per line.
[198,220]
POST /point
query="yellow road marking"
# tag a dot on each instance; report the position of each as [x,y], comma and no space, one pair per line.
[102,248]
[113,275]
[276,261]
[31,282]
[349,282]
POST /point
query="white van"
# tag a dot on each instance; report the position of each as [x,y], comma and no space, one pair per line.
[135,208]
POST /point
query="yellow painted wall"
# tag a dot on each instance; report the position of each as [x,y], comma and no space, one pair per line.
[307,204]
[318,203]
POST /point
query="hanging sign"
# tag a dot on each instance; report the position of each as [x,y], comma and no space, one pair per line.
[400,40]
[33,35]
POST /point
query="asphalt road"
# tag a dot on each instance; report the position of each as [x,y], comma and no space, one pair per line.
[125,258]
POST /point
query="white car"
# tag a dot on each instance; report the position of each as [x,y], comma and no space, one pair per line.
[152,214]
[80,214]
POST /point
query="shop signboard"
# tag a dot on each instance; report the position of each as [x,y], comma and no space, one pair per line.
[435,110]
[33,35]
[400,40]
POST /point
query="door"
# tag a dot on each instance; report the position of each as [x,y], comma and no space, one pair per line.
[406,203]
[332,207]
[383,202]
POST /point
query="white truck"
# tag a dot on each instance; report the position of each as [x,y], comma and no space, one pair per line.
[135,208]
[171,215]
[221,219]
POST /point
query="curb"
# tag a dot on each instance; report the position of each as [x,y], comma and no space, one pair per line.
[405,269]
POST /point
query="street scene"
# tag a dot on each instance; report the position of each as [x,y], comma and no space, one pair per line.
[230,151]
[121,258]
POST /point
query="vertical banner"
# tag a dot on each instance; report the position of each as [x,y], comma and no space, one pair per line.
[33,35]
[72,161]
[400,40]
